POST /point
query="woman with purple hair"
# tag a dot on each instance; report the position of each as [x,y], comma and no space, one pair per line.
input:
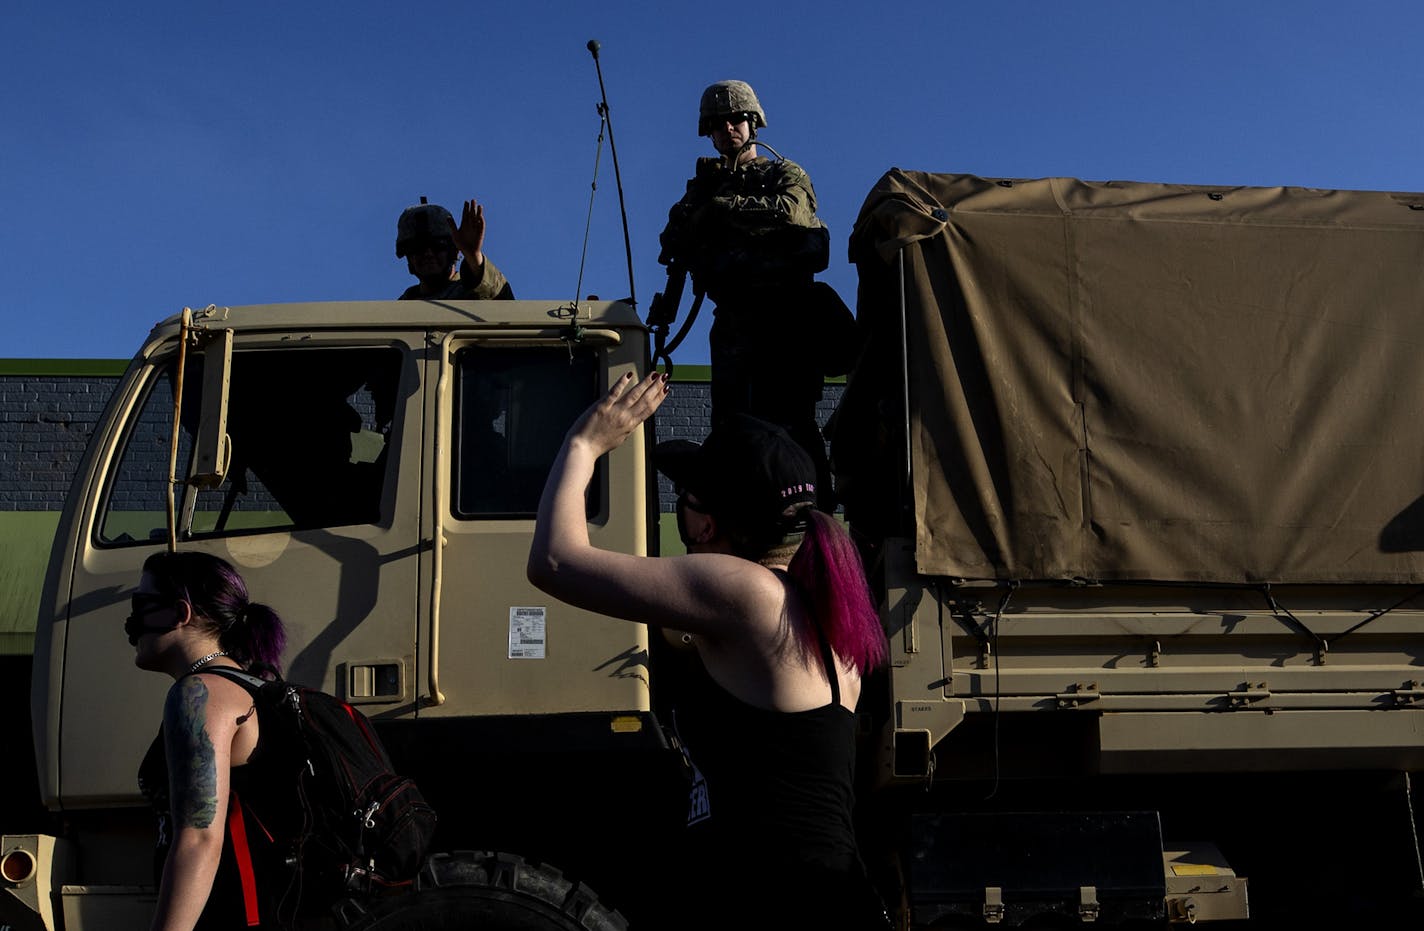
[205,772]
[773,597]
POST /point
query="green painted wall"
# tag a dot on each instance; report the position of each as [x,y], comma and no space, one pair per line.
[667,536]
[104,367]
[25,539]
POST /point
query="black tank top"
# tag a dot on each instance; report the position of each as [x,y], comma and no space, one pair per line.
[782,781]
[770,840]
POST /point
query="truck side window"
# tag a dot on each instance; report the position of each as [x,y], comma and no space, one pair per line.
[309,446]
[512,409]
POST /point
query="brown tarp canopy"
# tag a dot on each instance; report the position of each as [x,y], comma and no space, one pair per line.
[1150,381]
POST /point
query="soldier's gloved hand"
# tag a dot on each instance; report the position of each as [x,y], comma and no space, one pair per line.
[709,169]
[679,214]
[672,247]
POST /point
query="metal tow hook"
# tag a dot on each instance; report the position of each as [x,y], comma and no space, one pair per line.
[1412,692]
[1247,694]
[1080,693]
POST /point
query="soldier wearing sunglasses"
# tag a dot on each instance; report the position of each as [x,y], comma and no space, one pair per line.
[430,242]
[746,230]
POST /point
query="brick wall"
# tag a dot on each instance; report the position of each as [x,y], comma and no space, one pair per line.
[687,412]
[45,425]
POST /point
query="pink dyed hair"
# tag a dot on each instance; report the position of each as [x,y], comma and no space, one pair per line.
[829,571]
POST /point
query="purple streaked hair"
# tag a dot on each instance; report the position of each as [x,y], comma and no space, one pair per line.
[829,571]
[251,633]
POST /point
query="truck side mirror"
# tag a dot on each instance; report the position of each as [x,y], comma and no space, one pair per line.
[212,450]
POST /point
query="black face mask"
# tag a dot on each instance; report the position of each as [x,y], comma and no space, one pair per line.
[142,606]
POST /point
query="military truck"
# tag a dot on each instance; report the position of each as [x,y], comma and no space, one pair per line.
[1135,469]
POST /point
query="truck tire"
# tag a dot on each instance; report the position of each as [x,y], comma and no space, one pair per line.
[483,891]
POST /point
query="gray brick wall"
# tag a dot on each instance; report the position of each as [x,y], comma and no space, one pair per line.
[687,414]
[46,422]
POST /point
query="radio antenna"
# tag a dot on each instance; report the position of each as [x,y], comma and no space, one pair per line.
[603,111]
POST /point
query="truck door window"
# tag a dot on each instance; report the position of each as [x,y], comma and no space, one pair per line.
[309,436]
[513,406]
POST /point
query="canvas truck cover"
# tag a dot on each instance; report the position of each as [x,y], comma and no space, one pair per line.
[1125,381]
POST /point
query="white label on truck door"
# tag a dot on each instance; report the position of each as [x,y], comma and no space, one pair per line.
[526,633]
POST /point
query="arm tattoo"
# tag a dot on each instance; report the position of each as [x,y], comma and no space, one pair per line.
[192,767]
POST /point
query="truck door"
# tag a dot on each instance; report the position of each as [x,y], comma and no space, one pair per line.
[500,647]
[319,513]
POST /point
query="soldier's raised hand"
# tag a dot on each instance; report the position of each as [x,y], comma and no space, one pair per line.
[469,236]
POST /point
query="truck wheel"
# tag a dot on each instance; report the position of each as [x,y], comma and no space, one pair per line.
[484,890]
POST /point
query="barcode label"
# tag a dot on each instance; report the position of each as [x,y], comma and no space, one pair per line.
[526,633]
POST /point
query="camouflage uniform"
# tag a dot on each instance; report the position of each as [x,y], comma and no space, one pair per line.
[425,221]
[746,227]
[490,286]
[750,239]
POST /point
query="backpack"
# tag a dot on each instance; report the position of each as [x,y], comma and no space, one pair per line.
[362,825]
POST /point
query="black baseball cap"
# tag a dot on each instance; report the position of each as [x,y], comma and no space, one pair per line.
[748,471]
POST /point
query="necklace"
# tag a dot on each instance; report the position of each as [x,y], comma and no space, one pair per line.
[200,663]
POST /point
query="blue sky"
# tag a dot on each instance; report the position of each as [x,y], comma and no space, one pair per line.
[161,154]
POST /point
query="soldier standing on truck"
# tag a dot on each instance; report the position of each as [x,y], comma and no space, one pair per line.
[430,242]
[747,231]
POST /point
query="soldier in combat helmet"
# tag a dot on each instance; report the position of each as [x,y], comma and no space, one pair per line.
[428,239]
[746,230]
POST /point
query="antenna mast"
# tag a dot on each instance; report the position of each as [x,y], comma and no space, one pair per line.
[593,47]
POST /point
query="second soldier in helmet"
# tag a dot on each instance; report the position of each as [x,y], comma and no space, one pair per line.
[430,242]
[746,230]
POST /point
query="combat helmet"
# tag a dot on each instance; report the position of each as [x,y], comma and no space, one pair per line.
[726,97]
[421,221]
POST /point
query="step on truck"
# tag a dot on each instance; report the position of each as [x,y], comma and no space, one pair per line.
[1137,471]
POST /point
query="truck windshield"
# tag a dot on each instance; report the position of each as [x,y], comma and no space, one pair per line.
[309,435]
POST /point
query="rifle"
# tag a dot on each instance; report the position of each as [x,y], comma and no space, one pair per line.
[663,312]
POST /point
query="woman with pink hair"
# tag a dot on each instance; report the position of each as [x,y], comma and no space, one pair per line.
[773,597]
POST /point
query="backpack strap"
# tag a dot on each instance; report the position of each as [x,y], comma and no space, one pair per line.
[247,680]
[237,836]
[236,822]
[256,686]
